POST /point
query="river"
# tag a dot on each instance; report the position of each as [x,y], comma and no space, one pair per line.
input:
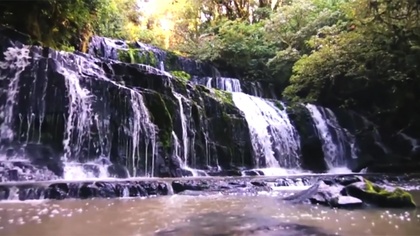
[262,214]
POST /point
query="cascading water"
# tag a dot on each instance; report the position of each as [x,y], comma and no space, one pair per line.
[222,83]
[15,62]
[138,123]
[336,144]
[273,136]
[274,139]
[185,139]
[183,163]
[87,137]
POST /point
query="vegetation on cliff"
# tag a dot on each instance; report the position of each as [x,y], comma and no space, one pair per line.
[358,54]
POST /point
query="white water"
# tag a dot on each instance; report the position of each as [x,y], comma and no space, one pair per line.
[183,164]
[222,83]
[78,171]
[185,139]
[273,136]
[336,144]
[139,123]
[15,62]
[86,109]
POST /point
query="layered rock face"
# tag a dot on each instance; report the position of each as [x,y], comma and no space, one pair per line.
[120,108]
[78,108]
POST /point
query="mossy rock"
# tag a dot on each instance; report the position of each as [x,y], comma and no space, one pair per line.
[379,196]
[223,96]
[171,61]
[161,115]
[181,76]
[137,56]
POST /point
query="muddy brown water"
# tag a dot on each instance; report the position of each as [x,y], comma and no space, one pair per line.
[262,214]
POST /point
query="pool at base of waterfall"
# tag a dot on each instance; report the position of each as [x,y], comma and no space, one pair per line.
[261,214]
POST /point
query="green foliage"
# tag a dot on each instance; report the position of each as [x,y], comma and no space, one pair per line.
[52,22]
[237,45]
[183,76]
[223,96]
[367,66]
[357,54]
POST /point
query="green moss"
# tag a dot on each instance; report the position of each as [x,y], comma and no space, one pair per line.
[151,58]
[181,76]
[66,48]
[161,115]
[171,61]
[397,194]
[223,96]
[136,56]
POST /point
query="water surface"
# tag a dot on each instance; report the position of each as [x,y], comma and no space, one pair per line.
[263,214]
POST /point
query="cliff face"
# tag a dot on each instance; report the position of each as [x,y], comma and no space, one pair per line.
[120,107]
[82,108]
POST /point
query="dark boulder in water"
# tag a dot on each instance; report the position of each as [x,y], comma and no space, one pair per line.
[350,193]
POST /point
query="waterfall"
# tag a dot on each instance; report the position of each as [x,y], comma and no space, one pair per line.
[274,139]
[161,66]
[273,136]
[183,163]
[16,60]
[185,139]
[336,144]
[86,120]
[222,83]
[138,124]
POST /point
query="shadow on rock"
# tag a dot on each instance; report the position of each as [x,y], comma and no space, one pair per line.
[229,224]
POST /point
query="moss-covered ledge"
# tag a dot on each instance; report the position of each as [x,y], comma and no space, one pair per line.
[161,109]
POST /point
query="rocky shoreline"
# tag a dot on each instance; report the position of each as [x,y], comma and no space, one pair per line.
[148,187]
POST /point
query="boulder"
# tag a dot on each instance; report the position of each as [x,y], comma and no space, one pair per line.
[350,193]
[381,196]
[331,195]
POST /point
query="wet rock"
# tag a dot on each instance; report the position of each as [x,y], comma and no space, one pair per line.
[4,193]
[24,171]
[13,175]
[259,183]
[381,196]
[57,191]
[346,202]
[118,171]
[85,190]
[352,192]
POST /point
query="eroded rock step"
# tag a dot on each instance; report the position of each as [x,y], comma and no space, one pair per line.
[146,187]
